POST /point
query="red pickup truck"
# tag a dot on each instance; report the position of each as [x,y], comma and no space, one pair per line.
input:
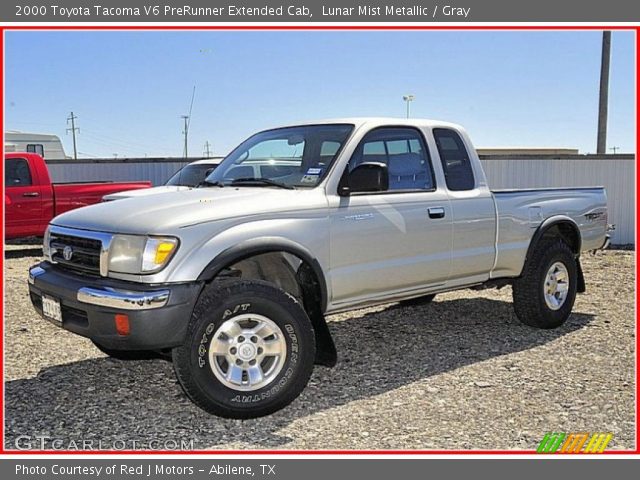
[31,200]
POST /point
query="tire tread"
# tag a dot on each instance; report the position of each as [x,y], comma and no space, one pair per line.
[528,302]
[213,295]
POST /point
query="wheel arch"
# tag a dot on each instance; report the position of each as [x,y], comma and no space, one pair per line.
[259,246]
[566,228]
[308,277]
[562,226]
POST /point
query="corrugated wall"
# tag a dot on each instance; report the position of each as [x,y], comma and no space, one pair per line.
[157,172]
[616,175]
[615,172]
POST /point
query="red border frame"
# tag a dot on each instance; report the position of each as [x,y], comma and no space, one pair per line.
[4,28]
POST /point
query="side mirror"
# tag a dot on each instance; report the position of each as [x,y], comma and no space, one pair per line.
[366,177]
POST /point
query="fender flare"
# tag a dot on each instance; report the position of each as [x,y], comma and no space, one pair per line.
[257,246]
[552,222]
[544,227]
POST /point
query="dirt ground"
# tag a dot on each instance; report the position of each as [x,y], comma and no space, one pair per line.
[461,373]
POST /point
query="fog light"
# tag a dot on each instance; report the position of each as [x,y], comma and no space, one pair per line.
[122,324]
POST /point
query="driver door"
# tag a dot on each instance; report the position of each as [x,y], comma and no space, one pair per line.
[395,241]
[22,200]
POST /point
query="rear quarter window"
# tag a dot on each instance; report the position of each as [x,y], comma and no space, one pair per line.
[455,159]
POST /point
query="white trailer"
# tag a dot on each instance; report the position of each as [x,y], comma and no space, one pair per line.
[46,145]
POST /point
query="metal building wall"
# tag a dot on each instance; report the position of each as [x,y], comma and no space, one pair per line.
[615,172]
[157,171]
[617,175]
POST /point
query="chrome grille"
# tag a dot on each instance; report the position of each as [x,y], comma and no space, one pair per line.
[85,251]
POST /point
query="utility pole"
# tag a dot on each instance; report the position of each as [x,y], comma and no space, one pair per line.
[186,135]
[73,129]
[206,153]
[615,149]
[604,93]
[408,99]
[187,122]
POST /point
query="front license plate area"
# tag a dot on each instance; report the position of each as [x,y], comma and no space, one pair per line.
[51,310]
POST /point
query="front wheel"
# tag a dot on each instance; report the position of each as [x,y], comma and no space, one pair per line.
[544,295]
[249,350]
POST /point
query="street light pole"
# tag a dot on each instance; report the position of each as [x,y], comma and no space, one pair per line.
[408,99]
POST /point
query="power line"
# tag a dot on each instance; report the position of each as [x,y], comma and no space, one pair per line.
[123,133]
[88,154]
[73,130]
[121,140]
[112,142]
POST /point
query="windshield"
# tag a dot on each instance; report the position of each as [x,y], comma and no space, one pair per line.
[191,175]
[289,157]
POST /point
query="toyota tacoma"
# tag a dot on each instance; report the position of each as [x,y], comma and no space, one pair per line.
[233,280]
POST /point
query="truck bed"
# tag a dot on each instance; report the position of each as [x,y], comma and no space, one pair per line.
[520,212]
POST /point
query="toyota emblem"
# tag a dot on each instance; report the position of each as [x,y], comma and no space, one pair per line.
[67,253]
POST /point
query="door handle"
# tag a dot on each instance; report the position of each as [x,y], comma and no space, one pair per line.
[31,194]
[436,212]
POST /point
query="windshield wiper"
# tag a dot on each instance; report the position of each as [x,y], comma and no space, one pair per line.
[206,183]
[259,182]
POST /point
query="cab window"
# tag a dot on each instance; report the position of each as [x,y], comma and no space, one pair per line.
[405,154]
[17,173]
[455,160]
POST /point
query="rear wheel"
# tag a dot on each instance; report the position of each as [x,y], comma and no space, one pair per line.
[249,350]
[544,295]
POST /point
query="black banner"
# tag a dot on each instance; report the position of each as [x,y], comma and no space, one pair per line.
[325,11]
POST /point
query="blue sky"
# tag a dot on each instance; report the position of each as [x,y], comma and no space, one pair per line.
[129,89]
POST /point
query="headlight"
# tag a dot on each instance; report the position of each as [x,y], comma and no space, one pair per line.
[137,254]
[46,250]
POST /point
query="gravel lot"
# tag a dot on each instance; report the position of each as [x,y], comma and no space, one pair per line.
[461,373]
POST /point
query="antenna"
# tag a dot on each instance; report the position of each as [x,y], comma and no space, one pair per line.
[193,95]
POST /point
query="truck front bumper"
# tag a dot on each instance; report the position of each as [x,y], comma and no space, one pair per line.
[157,315]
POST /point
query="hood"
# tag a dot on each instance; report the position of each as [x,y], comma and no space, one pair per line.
[143,192]
[164,213]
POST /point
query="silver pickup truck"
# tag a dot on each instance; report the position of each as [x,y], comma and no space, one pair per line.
[233,279]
